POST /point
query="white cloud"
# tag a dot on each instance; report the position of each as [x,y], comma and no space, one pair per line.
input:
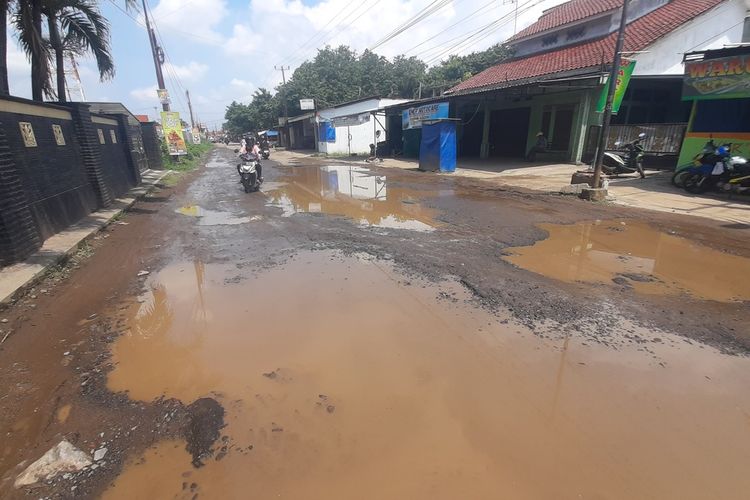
[196,18]
[244,41]
[145,94]
[192,71]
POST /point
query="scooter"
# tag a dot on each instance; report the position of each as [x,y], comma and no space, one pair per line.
[727,173]
[629,163]
[704,157]
[248,170]
[265,153]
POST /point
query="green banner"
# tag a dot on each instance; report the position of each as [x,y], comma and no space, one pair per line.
[623,78]
[720,78]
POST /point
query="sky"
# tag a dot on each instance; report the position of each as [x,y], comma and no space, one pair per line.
[223,50]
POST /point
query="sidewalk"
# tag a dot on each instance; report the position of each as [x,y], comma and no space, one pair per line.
[655,192]
[18,277]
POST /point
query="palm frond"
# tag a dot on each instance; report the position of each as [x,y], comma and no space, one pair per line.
[33,42]
[86,30]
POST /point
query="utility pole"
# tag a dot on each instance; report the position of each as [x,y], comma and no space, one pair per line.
[283,98]
[613,74]
[190,107]
[157,53]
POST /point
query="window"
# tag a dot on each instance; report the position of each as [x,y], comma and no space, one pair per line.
[576,33]
[549,40]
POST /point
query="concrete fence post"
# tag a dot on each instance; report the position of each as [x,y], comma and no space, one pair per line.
[19,235]
[90,152]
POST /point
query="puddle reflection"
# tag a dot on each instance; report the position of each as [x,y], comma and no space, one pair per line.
[350,191]
[635,254]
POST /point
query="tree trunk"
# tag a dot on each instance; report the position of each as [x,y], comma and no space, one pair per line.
[4,88]
[37,65]
[54,36]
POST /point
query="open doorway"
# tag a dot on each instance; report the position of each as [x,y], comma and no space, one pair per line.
[509,129]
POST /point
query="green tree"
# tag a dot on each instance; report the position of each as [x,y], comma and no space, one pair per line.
[77,27]
[238,119]
[456,69]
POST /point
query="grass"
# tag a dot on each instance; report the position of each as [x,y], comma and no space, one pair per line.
[185,163]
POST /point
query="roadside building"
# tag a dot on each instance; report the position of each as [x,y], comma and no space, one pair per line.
[555,78]
[717,82]
[350,128]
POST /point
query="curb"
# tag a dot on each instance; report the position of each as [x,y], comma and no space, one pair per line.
[32,281]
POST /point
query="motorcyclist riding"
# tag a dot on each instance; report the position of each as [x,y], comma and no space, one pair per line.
[249,150]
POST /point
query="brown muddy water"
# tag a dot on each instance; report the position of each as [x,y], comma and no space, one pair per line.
[350,191]
[343,378]
[634,253]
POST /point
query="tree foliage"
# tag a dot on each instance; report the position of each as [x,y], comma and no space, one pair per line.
[338,75]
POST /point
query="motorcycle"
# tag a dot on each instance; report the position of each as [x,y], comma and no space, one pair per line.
[265,153]
[705,156]
[728,174]
[248,170]
[632,161]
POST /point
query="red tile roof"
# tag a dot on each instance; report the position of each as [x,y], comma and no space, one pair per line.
[639,34]
[568,12]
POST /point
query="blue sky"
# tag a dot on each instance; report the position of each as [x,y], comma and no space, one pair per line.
[223,50]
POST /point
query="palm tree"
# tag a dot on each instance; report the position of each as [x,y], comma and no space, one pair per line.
[4,89]
[77,26]
[28,24]
[74,26]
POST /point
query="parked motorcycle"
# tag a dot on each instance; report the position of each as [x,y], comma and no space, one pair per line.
[727,174]
[248,170]
[614,163]
[705,157]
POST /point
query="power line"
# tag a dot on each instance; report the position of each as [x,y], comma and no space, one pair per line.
[430,9]
[445,30]
[483,32]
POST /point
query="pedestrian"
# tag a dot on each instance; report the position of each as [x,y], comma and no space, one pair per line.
[540,147]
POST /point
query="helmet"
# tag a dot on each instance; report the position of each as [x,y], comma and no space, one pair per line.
[722,151]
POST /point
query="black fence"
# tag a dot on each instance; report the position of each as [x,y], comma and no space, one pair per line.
[57,165]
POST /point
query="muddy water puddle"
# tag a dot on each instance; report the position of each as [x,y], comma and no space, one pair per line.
[208,217]
[353,192]
[342,378]
[635,254]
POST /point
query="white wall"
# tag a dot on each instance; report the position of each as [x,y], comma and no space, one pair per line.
[361,135]
[664,57]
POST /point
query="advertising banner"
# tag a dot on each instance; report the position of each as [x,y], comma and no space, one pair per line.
[306,104]
[172,128]
[623,79]
[163,96]
[721,78]
[351,120]
[413,117]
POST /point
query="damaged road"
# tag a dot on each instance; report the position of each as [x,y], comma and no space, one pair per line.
[358,332]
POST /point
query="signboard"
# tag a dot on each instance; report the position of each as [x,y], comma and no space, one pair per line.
[172,128]
[305,104]
[163,96]
[351,120]
[721,78]
[623,78]
[196,135]
[413,117]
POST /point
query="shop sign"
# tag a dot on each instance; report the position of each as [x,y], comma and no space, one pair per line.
[413,117]
[720,78]
[351,120]
[172,127]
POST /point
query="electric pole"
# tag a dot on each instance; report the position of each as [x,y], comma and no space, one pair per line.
[283,98]
[613,77]
[190,107]
[157,53]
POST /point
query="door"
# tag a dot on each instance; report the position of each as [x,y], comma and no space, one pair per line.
[562,129]
[509,130]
